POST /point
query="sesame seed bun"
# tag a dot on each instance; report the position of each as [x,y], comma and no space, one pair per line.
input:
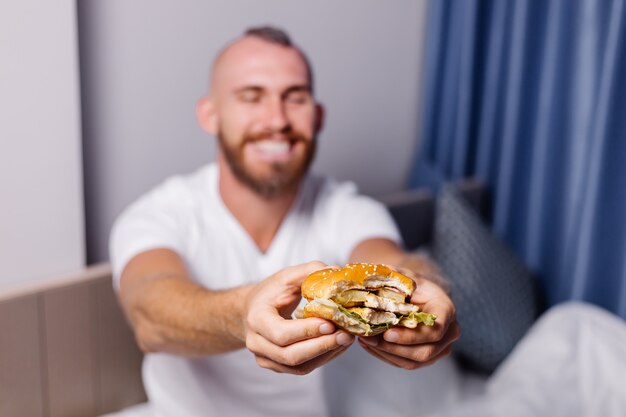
[329,282]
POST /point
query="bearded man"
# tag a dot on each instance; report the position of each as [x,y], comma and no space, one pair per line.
[208,266]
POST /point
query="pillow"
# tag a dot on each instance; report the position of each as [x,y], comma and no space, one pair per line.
[493,290]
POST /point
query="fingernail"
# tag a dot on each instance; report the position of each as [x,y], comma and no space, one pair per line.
[391,337]
[370,341]
[327,328]
[344,339]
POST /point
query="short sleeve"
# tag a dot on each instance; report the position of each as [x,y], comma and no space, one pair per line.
[353,218]
[153,221]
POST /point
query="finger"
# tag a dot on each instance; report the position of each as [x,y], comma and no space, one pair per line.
[437,302]
[427,291]
[298,353]
[402,362]
[283,288]
[422,353]
[422,334]
[301,369]
[431,296]
[295,275]
[284,332]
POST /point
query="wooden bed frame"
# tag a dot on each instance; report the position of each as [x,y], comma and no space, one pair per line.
[66,349]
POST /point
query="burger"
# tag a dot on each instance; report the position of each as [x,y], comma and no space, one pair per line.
[364,299]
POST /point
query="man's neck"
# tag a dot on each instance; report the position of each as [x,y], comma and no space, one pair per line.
[260,217]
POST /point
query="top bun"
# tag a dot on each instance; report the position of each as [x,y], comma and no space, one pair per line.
[329,282]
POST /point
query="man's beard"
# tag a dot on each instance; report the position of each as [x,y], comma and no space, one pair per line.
[284,177]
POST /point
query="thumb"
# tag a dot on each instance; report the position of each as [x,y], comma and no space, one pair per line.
[295,275]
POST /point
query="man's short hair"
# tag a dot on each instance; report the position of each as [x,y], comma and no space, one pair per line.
[280,37]
[270,34]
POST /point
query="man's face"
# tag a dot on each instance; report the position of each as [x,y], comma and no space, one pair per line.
[266,115]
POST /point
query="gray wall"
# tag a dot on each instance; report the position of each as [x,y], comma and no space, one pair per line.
[145,63]
[41,199]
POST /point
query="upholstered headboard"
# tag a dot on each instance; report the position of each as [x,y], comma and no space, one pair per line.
[66,349]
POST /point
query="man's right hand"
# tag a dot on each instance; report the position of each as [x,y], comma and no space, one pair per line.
[280,343]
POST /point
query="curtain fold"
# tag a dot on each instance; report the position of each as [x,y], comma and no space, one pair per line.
[530,96]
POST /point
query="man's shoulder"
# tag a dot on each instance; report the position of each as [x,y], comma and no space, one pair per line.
[182,189]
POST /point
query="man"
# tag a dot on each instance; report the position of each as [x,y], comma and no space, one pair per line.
[202,262]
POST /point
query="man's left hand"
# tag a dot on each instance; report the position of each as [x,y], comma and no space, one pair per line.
[424,345]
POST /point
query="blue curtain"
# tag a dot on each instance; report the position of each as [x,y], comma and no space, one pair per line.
[530,96]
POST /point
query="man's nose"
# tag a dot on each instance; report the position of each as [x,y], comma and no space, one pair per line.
[276,116]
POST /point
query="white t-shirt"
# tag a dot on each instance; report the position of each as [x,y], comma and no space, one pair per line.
[187,214]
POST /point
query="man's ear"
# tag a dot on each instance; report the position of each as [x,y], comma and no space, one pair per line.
[319,117]
[207,115]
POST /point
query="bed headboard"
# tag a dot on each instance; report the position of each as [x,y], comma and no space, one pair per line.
[66,349]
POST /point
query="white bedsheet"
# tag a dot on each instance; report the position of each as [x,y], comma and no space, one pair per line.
[571,363]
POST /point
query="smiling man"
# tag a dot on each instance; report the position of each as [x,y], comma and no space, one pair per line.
[202,262]
[262,110]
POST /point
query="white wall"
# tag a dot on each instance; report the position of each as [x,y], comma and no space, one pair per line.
[41,202]
[145,63]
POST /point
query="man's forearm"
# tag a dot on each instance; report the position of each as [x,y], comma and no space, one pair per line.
[177,316]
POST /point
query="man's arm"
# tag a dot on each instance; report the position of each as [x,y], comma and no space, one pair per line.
[171,313]
[424,345]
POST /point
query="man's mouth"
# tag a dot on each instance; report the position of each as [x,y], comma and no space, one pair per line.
[272,150]
[273,147]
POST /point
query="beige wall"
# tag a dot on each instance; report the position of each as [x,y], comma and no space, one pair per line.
[41,201]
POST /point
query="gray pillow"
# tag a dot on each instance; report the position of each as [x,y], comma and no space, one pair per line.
[493,290]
